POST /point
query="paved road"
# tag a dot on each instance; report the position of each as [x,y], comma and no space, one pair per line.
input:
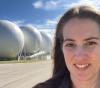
[24,75]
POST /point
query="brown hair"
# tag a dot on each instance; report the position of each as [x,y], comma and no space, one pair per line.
[60,69]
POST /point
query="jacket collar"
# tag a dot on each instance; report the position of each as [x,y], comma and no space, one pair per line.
[66,83]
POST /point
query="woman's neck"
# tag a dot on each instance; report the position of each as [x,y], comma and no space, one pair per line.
[91,83]
[84,85]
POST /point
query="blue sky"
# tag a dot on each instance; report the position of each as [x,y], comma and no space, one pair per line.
[43,14]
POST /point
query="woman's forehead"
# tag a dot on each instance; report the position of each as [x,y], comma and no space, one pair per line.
[80,21]
[81,28]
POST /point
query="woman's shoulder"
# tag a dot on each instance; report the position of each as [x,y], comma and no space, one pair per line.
[40,85]
[46,84]
[50,83]
[54,82]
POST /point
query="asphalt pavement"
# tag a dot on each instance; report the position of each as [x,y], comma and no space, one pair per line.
[24,75]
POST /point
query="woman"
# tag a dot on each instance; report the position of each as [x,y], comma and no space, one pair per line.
[76,52]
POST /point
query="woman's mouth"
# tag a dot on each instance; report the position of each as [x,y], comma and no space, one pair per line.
[82,66]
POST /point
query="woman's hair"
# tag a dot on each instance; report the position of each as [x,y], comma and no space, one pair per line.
[80,12]
[60,68]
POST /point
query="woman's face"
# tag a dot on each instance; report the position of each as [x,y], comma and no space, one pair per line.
[81,48]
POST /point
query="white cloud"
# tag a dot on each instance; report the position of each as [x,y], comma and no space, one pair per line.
[63,4]
[51,22]
[51,5]
[84,2]
[47,5]
[43,28]
[31,25]
[19,22]
[47,31]
[38,4]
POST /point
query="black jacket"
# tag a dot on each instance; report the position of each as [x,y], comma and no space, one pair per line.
[66,83]
[58,81]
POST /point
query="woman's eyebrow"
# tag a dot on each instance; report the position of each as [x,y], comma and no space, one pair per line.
[87,39]
[68,39]
[91,38]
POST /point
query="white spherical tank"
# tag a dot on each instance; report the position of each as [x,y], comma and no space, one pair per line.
[33,39]
[47,44]
[11,39]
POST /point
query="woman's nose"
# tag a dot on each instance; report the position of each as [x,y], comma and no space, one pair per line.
[80,53]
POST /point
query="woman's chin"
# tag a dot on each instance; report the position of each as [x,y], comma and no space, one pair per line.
[83,72]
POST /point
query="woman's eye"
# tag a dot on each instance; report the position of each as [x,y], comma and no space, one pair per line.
[70,45]
[91,43]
